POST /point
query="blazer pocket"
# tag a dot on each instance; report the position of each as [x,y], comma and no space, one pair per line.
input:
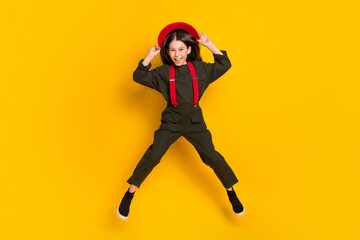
[197,117]
[171,117]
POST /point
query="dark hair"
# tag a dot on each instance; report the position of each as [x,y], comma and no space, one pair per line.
[185,37]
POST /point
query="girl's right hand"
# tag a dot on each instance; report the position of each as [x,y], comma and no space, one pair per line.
[154,50]
[152,53]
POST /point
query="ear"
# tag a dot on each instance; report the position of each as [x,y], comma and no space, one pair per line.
[189,49]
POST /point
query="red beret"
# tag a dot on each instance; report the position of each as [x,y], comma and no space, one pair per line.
[176,25]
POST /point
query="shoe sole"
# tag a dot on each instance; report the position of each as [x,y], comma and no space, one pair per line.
[118,213]
[240,213]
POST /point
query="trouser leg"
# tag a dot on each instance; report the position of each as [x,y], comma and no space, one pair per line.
[162,141]
[202,141]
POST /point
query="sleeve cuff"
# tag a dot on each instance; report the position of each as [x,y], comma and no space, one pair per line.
[142,67]
[219,56]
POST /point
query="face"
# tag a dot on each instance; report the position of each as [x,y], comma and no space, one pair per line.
[178,52]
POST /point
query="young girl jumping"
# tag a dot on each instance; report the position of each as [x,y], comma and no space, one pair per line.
[182,80]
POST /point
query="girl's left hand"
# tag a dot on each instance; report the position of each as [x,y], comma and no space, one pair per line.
[204,40]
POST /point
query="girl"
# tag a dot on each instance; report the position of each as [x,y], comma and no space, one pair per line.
[182,64]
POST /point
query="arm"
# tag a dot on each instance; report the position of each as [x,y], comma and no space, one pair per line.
[221,63]
[142,74]
[152,53]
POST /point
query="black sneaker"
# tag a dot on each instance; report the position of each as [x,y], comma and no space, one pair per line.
[124,207]
[236,204]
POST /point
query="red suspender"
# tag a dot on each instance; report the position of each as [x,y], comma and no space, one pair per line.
[172,85]
[195,82]
[173,88]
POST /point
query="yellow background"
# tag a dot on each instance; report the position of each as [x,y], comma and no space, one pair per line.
[74,124]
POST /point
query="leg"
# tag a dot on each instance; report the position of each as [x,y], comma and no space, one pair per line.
[132,188]
[202,142]
[162,141]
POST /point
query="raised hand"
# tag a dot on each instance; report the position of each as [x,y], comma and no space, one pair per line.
[204,40]
[152,53]
[154,50]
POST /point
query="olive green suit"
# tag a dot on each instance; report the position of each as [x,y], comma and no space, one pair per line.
[185,119]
